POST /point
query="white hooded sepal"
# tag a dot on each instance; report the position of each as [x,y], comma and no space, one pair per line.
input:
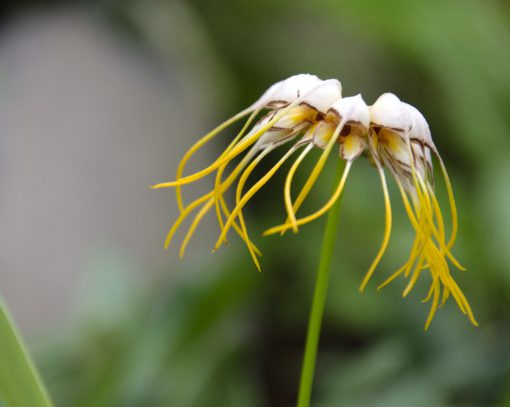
[353,110]
[324,96]
[390,112]
[420,129]
[420,132]
[313,91]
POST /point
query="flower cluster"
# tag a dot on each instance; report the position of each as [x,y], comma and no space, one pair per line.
[306,112]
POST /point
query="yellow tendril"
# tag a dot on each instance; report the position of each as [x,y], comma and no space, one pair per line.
[252,191]
[451,198]
[209,197]
[200,143]
[433,307]
[217,181]
[315,172]
[235,151]
[387,228]
[321,211]
[239,190]
[288,181]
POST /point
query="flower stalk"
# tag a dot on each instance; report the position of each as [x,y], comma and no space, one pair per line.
[319,299]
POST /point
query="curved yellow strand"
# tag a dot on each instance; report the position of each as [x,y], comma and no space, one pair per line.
[209,196]
[392,277]
[252,191]
[239,230]
[431,291]
[194,225]
[217,181]
[414,278]
[316,170]
[236,150]
[438,234]
[387,229]
[200,143]
[219,189]
[203,211]
[321,211]
[453,206]
[239,190]
[241,146]
[288,181]
[426,210]
[433,307]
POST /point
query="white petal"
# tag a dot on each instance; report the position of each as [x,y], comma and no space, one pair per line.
[314,92]
[353,109]
[324,96]
[419,127]
[389,111]
[288,90]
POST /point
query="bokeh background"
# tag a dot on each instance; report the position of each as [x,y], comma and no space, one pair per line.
[99,99]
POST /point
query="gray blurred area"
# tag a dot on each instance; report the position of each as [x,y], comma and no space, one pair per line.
[86,125]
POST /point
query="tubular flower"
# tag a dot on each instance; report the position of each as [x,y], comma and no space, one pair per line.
[400,138]
[294,106]
[306,112]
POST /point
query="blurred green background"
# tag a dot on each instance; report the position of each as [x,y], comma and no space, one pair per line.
[140,328]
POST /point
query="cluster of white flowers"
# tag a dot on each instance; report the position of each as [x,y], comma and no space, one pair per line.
[312,113]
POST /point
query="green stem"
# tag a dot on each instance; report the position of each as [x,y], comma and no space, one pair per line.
[319,300]
[20,384]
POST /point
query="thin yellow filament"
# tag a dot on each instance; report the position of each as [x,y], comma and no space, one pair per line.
[438,265]
[200,143]
[415,276]
[239,190]
[316,171]
[464,302]
[217,181]
[435,301]
[451,199]
[425,203]
[392,277]
[239,230]
[423,231]
[240,147]
[421,234]
[194,225]
[321,211]
[424,198]
[426,192]
[183,215]
[288,181]
[431,291]
[436,260]
[252,191]
[235,151]
[446,295]
[203,211]
[387,228]
[207,197]
[437,212]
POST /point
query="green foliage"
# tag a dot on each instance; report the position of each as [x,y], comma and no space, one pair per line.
[20,385]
